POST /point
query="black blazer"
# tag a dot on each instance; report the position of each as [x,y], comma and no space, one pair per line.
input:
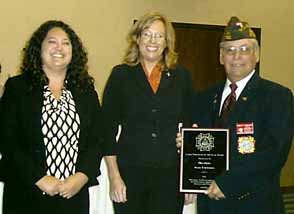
[2,166]
[24,150]
[252,185]
[149,121]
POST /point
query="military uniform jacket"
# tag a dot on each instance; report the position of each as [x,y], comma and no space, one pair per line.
[257,154]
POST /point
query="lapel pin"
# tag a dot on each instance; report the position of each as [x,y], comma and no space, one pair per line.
[244,98]
[168,74]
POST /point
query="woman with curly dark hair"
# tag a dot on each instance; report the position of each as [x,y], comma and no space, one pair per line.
[51,114]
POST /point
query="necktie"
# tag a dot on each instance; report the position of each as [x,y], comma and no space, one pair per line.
[228,104]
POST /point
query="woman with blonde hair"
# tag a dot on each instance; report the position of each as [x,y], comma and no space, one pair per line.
[147,96]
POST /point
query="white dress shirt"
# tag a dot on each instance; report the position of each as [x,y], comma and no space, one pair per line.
[241,85]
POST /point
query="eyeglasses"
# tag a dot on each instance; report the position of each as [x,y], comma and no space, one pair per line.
[232,50]
[147,35]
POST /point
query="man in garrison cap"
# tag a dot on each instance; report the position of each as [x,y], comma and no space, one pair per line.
[260,122]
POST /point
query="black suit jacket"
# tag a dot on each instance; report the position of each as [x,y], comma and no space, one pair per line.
[21,136]
[2,167]
[252,183]
[149,121]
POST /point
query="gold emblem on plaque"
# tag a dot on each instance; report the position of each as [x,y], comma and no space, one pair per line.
[204,142]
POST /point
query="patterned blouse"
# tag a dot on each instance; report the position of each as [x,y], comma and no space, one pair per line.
[61,130]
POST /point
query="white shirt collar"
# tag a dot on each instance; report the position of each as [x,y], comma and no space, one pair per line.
[241,85]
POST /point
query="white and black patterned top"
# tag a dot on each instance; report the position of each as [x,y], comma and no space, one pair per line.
[61,130]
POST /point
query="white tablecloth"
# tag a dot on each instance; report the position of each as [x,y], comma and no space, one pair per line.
[1,195]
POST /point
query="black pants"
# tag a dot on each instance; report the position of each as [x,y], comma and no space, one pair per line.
[150,190]
[34,202]
[78,204]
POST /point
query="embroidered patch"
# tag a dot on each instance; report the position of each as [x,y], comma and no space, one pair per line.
[245,128]
[246,144]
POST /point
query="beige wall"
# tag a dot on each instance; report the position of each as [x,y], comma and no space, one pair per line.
[103,25]
[274,17]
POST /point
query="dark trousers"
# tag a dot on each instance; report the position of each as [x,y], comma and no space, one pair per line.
[78,204]
[34,202]
[151,190]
